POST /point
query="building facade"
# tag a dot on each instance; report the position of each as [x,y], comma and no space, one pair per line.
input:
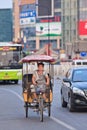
[38,24]
[6,33]
[74,29]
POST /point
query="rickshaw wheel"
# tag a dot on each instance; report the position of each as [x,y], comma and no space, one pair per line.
[26,109]
[49,109]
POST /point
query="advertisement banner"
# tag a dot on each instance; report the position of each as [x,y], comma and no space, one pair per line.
[28,20]
[82,27]
[48,29]
[26,14]
[28,17]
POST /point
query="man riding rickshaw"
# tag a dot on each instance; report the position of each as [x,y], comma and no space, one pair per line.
[37,86]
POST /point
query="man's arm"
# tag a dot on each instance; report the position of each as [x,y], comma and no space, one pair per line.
[47,80]
[34,80]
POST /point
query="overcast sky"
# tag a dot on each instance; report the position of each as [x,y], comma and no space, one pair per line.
[5,4]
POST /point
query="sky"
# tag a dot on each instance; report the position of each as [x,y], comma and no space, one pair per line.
[5,4]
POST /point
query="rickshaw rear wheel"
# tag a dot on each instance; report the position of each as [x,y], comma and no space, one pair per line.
[41,109]
[49,109]
[26,109]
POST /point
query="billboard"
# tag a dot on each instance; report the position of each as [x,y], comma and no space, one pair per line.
[27,17]
[82,28]
[48,29]
[45,8]
[26,21]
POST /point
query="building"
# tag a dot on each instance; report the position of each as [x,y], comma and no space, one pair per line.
[30,23]
[16,25]
[74,26]
[82,25]
[6,25]
[16,16]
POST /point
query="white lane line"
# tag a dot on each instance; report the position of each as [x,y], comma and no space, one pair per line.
[53,118]
[61,123]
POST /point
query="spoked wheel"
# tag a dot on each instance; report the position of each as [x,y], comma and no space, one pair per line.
[41,109]
[49,109]
[26,109]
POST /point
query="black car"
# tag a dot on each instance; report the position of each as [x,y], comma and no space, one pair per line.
[74,89]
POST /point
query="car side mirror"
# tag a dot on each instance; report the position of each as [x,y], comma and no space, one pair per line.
[66,80]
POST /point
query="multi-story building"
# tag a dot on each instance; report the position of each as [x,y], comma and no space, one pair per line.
[5,25]
[82,25]
[17,4]
[74,29]
[38,23]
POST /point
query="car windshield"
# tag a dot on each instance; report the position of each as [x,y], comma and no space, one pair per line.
[80,75]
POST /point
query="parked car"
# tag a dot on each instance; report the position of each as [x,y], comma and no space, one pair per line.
[74,89]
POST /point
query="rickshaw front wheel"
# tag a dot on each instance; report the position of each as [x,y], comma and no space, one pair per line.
[41,106]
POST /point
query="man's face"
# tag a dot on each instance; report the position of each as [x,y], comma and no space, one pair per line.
[40,67]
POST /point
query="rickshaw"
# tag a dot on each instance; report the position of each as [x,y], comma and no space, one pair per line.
[27,72]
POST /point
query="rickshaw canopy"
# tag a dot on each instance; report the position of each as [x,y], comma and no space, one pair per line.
[32,58]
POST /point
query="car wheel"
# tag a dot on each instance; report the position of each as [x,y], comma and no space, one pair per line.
[70,107]
[16,81]
[63,103]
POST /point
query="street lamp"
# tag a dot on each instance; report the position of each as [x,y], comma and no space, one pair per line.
[48,23]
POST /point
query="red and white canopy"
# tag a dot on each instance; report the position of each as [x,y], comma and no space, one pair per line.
[43,58]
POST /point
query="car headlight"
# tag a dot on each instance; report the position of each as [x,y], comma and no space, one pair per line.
[78,91]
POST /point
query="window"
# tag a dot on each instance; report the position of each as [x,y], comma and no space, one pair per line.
[31,45]
[29,32]
[45,8]
[52,42]
[83,3]
[57,3]
[80,75]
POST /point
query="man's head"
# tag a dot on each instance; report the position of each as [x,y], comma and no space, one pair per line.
[40,66]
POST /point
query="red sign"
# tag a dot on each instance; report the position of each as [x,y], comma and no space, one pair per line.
[82,28]
[55,19]
[6,48]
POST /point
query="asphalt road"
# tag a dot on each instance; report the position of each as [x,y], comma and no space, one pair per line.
[12,112]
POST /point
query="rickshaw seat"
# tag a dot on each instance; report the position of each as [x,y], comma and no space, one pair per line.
[28,76]
[27,80]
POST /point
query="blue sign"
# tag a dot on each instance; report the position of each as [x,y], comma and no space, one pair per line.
[26,14]
[83,54]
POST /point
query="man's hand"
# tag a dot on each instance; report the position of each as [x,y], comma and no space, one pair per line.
[35,83]
[47,84]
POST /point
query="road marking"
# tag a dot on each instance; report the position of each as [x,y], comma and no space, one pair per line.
[61,123]
[53,118]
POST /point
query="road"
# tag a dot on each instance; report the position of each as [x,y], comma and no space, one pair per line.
[12,112]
